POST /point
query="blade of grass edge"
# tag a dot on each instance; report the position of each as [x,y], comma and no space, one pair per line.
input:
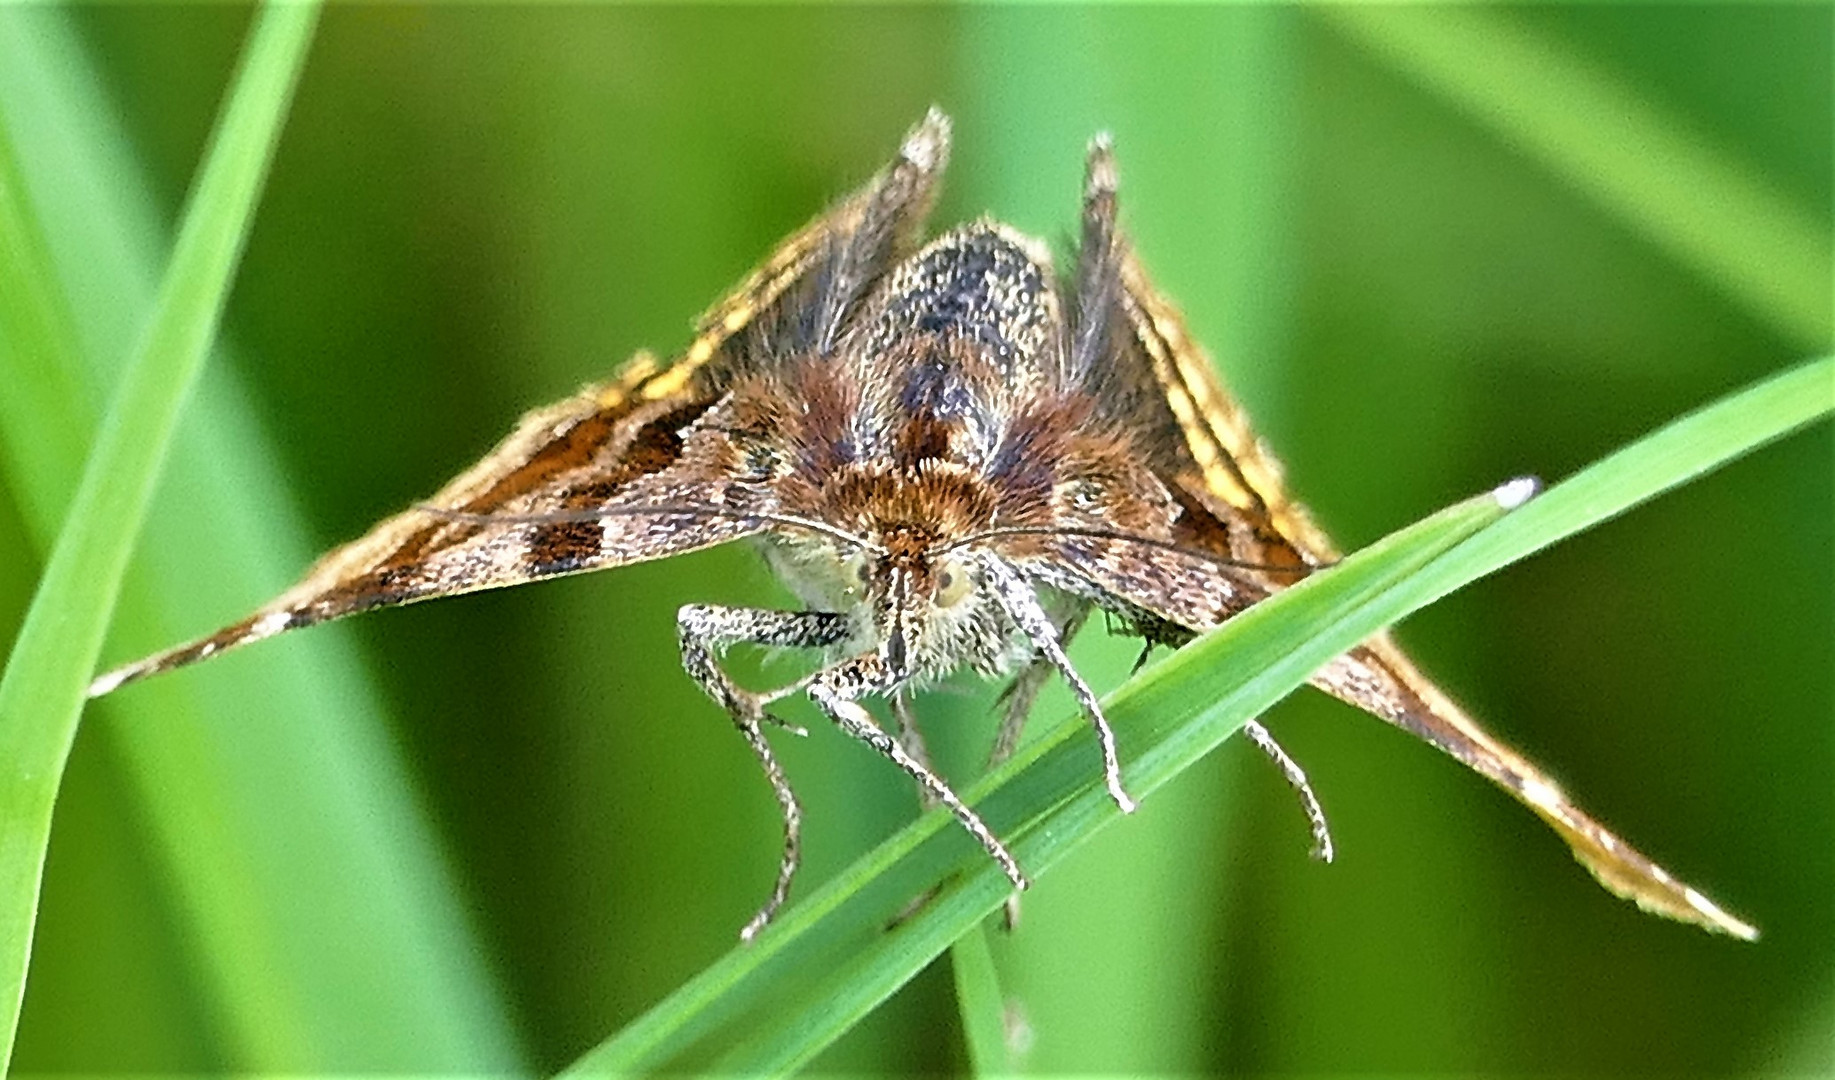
[1676,453]
[1046,800]
[42,690]
[980,1003]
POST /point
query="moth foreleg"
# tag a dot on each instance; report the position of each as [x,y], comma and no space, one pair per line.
[1016,703]
[706,631]
[911,737]
[835,691]
[1296,777]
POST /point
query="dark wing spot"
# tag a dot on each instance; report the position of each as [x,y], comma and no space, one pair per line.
[565,546]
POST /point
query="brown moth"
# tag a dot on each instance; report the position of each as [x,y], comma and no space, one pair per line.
[952,458]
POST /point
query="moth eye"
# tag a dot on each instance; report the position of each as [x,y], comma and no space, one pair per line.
[854,570]
[952,585]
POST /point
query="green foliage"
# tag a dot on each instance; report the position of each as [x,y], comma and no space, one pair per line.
[60,640]
[1430,249]
[351,949]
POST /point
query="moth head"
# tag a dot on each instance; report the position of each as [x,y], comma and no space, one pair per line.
[926,607]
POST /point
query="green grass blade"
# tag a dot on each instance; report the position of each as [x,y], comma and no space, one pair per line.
[40,415]
[1709,212]
[1673,455]
[325,928]
[980,1003]
[758,1009]
[1047,800]
[41,693]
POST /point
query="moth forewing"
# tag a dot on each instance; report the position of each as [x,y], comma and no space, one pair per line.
[571,456]
[1380,679]
[1238,477]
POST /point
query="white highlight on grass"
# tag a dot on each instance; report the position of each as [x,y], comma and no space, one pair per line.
[1515,493]
[270,624]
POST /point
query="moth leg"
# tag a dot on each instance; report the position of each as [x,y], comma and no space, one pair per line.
[1015,706]
[705,631]
[1016,703]
[1022,605]
[1017,700]
[1296,777]
[836,690]
[912,739]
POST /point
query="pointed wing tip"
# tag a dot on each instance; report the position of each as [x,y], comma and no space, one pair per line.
[254,628]
[927,146]
[1744,931]
[1658,892]
[1698,910]
[1712,916]
[1099,173]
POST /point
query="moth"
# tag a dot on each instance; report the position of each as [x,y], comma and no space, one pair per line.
[952,456]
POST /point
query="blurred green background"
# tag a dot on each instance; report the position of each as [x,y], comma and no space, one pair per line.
[1431,249]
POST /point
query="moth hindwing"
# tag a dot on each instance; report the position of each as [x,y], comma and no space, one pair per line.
[952,458]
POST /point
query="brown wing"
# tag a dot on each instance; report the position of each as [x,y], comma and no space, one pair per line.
[1235,503]
[620,472]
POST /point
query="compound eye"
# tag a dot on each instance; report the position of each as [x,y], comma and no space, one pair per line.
[858,569]
[953,583]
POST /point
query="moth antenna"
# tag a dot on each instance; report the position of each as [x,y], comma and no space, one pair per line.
[1130,538]
[564,517]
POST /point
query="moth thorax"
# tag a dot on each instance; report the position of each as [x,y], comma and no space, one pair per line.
[916,507]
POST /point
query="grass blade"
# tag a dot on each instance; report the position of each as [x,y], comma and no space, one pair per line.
[1678,452]
[759,1002]
[980,1003]
[41,693]
[1707,211]
[326,928]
